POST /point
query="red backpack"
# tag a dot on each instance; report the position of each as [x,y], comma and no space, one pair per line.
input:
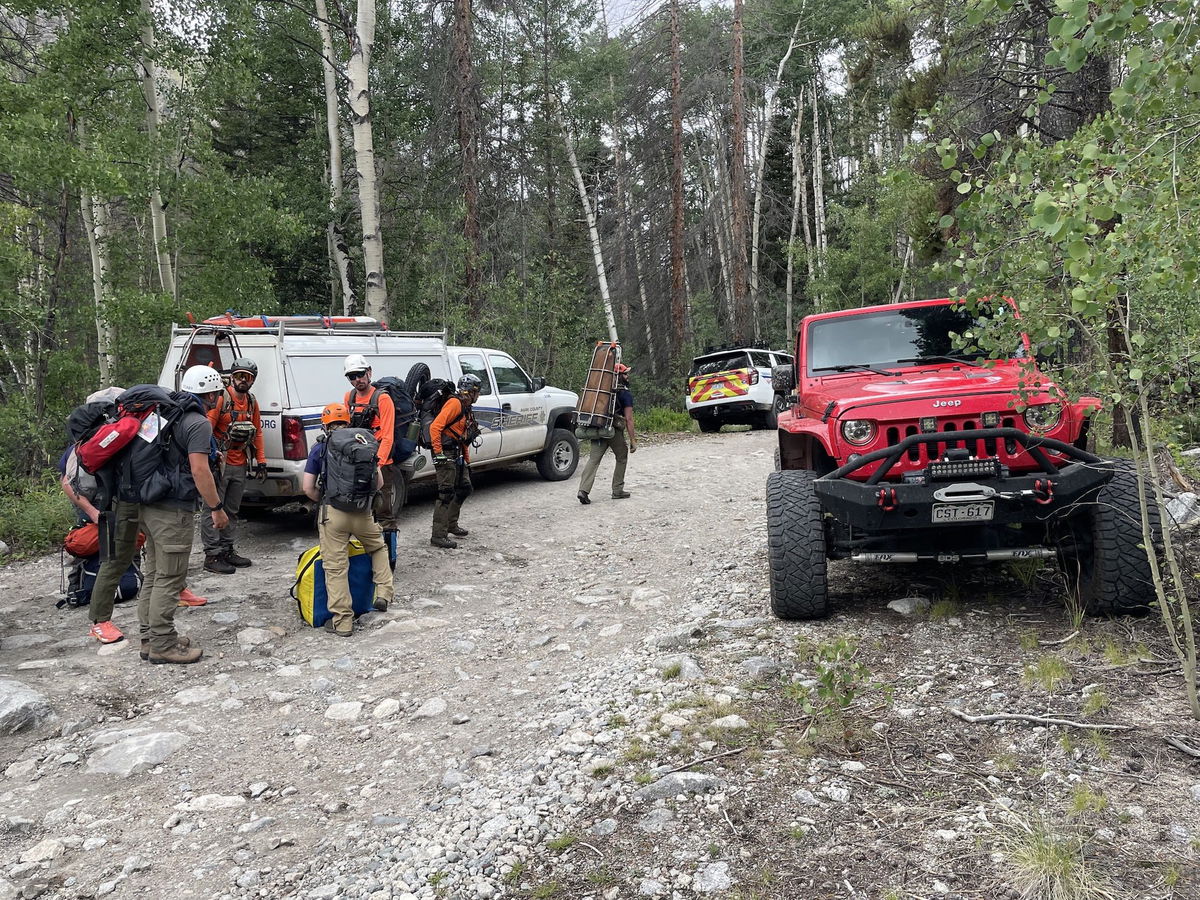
[109,440]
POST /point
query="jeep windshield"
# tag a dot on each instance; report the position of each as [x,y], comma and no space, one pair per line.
[889,338]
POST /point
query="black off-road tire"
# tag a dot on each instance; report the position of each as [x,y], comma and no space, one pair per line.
[416,378]
[1101,551]
[770,419]
[709,426]
[560,458]
[796,546]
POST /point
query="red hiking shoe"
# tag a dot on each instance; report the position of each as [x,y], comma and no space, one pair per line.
[187,598]
[106,633]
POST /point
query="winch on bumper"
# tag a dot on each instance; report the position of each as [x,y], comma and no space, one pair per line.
[958,489]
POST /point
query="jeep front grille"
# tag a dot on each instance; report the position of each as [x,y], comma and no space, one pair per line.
[922,454]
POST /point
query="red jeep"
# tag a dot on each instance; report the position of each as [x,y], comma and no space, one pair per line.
[897,447]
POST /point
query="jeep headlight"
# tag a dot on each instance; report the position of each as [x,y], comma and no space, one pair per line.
[1043,417]
[858,431]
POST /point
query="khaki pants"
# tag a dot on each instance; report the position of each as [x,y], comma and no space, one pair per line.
[230,487]
[335,528]
[169,532]
[620,451]
[125,518]
[454,486]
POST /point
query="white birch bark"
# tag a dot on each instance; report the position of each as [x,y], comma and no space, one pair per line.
[359,101]
[158,215]
[593,231]
[645,302]
[96,223]
[759,168]
[818,175]
[809,250]
[339,253]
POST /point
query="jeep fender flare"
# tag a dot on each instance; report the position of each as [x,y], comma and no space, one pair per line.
[806,448]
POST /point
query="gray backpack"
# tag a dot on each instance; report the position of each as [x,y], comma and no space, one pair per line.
[348,477]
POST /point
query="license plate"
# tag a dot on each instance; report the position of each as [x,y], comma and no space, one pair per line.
[963,512]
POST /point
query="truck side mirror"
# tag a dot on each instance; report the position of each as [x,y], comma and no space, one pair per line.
[783,379]
[538,382]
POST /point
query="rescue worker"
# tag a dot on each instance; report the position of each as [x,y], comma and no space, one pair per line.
[237,425]
[168,523]
[81,488]
[622,424]
[373,409]
[451,435]
[336,527]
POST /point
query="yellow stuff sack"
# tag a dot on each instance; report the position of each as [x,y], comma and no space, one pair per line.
[312,599]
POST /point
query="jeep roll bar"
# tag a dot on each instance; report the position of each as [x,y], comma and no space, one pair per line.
[1031,443]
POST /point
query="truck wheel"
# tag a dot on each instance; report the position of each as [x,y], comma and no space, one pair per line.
[709,426]
[796,546]
[1100,548]
[558,461]
[416,378]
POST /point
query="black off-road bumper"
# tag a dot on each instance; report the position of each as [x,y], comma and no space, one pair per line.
[942,500]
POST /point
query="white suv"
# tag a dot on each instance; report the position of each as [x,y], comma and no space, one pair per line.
[300,370]
[732,386]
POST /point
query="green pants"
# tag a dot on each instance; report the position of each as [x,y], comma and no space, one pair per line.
[169,532]
[336,527]
[454,486]
[230,486]
[620,451]
[391,497]
[124,518]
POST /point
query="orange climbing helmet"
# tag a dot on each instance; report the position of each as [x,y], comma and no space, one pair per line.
[335,412]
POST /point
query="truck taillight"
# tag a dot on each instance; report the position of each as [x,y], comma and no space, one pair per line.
[295,445]
[753,379]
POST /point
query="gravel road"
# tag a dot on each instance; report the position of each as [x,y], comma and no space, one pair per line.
[428,756]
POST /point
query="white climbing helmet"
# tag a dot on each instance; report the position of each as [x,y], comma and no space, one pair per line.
[200,380]
[355,362]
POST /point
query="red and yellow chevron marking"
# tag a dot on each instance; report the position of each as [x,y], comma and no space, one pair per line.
[719,386]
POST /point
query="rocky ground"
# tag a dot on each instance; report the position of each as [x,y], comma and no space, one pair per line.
[593,702]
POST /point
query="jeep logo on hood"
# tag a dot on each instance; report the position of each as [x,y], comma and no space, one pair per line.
[937,403]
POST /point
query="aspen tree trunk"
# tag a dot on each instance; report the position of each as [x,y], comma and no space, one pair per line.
[811,291]
[158,214]
[623,233]
[759,170]
[737,185]
[818,177]
[464,102]
[593,232]
[798,198]
[338,249]
[96,224]
[677,289]
[362,40]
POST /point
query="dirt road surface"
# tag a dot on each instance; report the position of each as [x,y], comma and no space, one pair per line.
[511,726]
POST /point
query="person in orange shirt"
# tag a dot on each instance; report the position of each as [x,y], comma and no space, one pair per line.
[237,426]
[373,409]
[451,435]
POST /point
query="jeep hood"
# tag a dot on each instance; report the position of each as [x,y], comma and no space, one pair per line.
[927,384]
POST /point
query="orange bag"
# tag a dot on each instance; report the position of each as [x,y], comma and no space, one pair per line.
[84,540]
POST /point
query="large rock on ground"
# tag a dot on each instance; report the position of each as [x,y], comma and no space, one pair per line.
[137,754]
[21,707]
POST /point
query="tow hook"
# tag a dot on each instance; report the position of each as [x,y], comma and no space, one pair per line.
[886,498]
[1043,491]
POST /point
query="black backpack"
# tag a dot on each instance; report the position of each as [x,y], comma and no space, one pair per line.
[85,420]
[348,471]
[364,415]
[432,397]
[150,471]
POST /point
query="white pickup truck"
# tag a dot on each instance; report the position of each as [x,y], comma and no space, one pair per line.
[300,370]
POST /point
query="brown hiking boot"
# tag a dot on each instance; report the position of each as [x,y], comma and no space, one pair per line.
[443,542]
[219,565]
[177,655]
[180,640]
